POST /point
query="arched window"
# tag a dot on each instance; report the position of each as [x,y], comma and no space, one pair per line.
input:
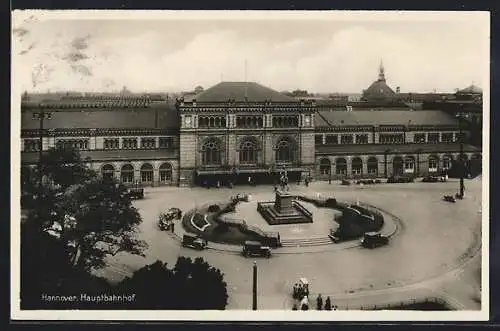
[372,166]
[248,152]
[433,163]
[147,173]
[409,164]
[447,160]
[341,166]
[127,173]
[259,122]
[211,122]
[211,153]
[357,166]
[325,166]
[165,173]
[108,172]
[285,150]
[397,165]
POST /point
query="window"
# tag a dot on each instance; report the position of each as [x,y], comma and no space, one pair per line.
[147,173]
[248,152]
[419,138]
[108,172]
[212,121]
[391,138]
[324,166]
[79,144]
[447,162]
[332,139]
[357,166]
[285,149]
[409,164]
[447,137]
[318,139]
[285,121]
[341,166]
[361,139]
[433,138]
[460,137]
[433,164]
[165,173]
[129,143]
[166,142]
[148,143]
[211,153]
[249,122]
[127,174]
[31,145]
[113,143]
[346,139]
[372,165]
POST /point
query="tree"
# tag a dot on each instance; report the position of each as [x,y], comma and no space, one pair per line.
[64,167]
[103,221]
[189,285]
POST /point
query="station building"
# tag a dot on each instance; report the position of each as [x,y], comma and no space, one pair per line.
[236,130]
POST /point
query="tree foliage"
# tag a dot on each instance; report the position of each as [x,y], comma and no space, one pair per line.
[189,285]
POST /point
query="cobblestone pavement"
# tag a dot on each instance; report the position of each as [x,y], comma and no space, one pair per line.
[428,254]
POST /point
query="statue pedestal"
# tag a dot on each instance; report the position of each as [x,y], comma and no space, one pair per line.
[283,202]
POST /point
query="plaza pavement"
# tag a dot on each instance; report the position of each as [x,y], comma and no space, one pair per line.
[435,251]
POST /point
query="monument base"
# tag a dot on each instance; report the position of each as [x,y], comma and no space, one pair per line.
[284,210]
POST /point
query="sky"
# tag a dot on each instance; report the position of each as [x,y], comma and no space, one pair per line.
[173,53]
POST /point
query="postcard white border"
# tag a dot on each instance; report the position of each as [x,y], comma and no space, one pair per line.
[244,315]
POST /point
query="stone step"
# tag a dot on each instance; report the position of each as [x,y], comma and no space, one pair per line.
[306,242]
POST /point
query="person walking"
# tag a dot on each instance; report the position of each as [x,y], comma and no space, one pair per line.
[328,303]
[319,302]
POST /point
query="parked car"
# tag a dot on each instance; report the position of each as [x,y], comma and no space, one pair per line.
[373,240]
[345,182]
[449,198]
[400,179]
[193,241]
[135,193]
[430,179]
[333,237]
[174,213]
[255,248]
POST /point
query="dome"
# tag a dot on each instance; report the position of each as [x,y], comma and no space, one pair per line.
[471,89]
[379,90]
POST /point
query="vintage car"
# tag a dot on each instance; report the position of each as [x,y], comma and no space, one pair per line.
[400,179]
[193,241]
[135,193]
[174,213]
[449,198]
[345,182]
[373,240]
[255,248]
[333,237]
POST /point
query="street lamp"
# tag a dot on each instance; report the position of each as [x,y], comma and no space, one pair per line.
[41,116]
[461,160]
[254,291]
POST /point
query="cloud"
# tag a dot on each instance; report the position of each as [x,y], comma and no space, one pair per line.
[344,60]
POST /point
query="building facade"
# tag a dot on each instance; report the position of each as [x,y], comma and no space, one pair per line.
[235,131]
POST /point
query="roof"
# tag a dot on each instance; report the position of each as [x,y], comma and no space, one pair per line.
[239,90]
[114,155]
[383,117]
[471,89]
[146,118]
[97,101]
[393,148]
[378,90]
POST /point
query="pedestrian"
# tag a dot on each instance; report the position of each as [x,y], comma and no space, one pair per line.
[306,181]
[319,302]
[328,303]
[218,184]
[172,227]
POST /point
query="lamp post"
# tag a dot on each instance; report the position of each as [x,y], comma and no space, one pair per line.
[461,160]
[254,291]
[40,116]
